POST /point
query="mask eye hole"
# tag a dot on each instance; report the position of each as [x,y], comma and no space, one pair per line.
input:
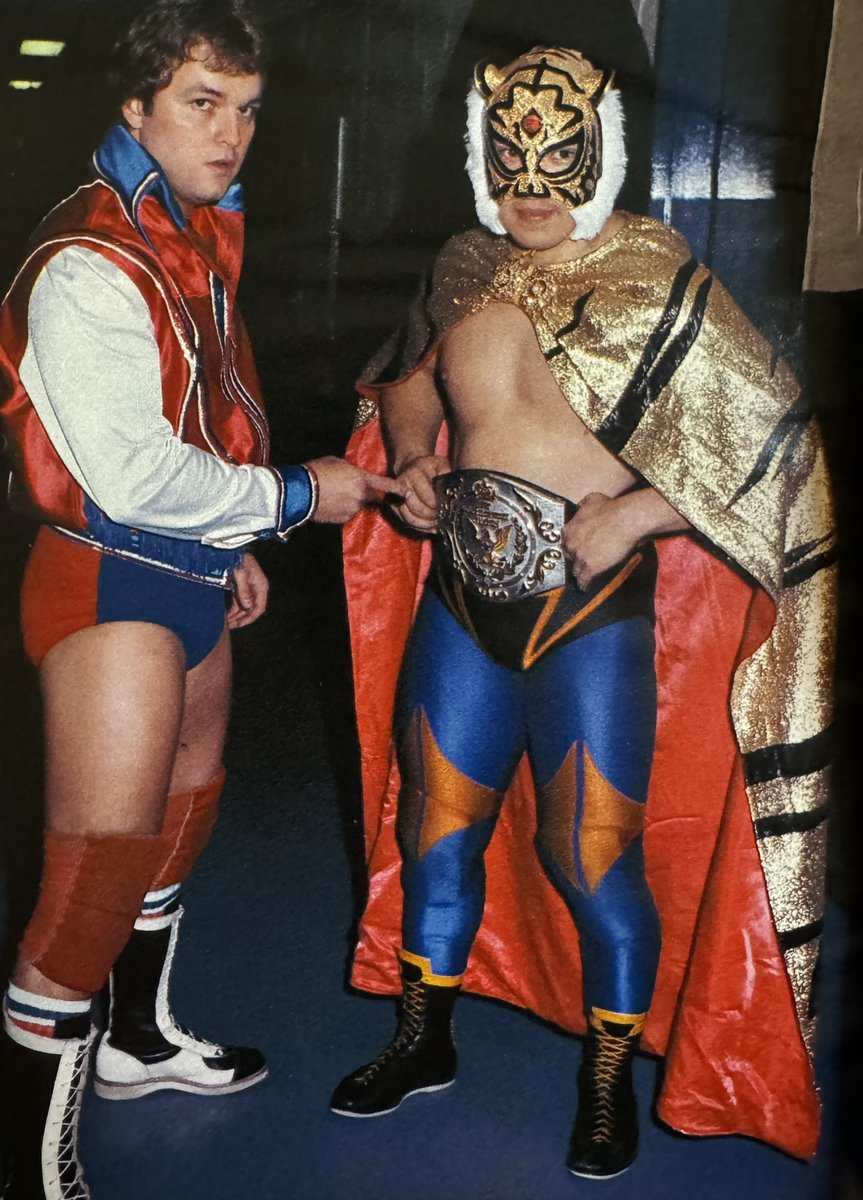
[562,158]
[507,156]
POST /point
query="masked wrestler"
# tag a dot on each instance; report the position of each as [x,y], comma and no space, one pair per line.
[133,416]
[627,501]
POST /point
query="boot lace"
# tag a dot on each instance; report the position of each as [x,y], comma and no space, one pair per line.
[71,1179]
[611,1057]
[410,1025]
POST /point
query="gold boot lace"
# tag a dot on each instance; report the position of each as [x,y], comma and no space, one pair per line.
[612,1054]
[410,1025]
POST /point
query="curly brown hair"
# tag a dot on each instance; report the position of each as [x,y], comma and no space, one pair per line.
[163,36]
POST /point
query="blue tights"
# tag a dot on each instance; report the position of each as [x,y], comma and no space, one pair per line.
[586,715]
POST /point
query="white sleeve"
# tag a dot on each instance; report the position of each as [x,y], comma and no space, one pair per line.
[92,371]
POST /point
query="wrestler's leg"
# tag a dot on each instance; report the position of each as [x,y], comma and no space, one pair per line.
[592,726]
[113,697]
[197,775]
[145,1049]
[113,702]
[460,735]
[592,716]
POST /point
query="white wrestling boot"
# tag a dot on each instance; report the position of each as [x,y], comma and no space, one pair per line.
[45,1077]
[145,1049]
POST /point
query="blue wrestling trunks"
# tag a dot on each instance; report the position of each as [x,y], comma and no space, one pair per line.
[69,585]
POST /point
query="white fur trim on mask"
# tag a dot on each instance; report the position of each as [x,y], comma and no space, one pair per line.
[590,217]
[486,208]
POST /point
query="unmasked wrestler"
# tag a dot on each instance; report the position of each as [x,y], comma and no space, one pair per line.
[133,416]
[626,500]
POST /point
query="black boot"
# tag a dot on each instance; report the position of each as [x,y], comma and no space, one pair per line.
[605,1139]
[420,1058]
[145,1049]
[44,1080]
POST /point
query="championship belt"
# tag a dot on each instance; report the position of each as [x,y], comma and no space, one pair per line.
[500,535]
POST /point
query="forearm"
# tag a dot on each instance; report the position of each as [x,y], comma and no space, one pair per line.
[179,490]
[412,413]
[144,475]
[645,513]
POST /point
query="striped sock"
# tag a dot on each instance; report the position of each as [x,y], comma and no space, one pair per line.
[27,1013]
[157,908]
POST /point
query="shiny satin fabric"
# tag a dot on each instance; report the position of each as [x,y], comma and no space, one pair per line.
[736,1061]
[657,360]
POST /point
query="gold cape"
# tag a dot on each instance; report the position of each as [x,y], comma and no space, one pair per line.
[656,358]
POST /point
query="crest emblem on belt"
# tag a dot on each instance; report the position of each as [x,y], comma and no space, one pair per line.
[501,535]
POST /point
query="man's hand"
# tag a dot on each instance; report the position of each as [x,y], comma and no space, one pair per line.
[250,588]
[419,506]
[345,489]
[598,537]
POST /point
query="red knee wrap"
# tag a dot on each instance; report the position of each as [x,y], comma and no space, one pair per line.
[189,821]
[91,893]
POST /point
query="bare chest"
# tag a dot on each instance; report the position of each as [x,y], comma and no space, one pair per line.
[508,413]
[493,359]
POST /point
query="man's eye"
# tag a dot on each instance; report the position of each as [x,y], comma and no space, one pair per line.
[202,102]
[559,160]
[508,155]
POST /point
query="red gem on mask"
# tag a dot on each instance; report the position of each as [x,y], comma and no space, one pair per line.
[532,123]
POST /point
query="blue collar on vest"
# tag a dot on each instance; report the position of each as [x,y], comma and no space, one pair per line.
[134,173]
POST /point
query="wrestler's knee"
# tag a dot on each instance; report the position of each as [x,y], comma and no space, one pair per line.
[190,817]
[90,896]
[555,838]
[551,854]
[437,799]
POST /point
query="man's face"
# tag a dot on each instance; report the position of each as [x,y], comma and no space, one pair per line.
[199,128]
[543,136]
[536,224]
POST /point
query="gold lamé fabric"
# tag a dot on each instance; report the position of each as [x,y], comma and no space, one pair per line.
[544,102]
[653,354]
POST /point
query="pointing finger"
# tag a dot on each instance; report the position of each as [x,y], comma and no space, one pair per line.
[382,483]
